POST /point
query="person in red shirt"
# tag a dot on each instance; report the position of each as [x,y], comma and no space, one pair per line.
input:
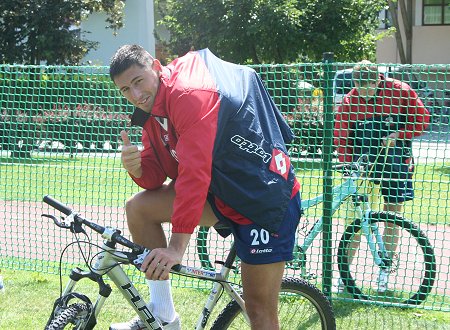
[380,113]
[214,151]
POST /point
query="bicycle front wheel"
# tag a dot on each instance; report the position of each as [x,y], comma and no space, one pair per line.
[73,317]
[300,306]
[409,274]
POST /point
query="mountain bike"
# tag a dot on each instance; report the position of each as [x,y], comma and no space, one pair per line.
[301,305]
[412,268]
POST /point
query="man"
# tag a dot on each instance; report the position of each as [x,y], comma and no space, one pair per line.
[211,127]
[379,117]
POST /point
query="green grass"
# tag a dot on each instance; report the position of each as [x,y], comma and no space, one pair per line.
[102,181]
[28,299]
[91,181]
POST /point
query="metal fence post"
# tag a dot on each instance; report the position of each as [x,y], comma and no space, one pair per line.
[327,158]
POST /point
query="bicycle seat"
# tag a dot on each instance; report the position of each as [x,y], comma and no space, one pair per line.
[223,228]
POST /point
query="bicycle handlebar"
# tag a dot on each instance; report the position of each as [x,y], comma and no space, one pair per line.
[139,252]
[353,167]
[115,236]
[57,205]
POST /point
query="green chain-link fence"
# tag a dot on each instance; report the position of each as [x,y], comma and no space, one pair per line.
[59,135]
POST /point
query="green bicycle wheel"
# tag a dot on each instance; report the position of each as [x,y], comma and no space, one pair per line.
[409,274]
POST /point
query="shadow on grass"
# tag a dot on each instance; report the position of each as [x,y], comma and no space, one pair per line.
[354,315]
[305,165]
[444,170]
[35,160]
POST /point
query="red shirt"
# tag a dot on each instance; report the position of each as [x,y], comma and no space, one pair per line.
[392,97]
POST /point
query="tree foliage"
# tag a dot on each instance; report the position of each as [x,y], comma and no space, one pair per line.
[273,31]
[42,30]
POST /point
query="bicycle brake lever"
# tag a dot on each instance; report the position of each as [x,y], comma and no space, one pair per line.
[66,223]
[62,224]
[139,258]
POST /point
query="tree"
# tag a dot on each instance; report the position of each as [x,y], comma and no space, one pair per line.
[42,30]
[273,31]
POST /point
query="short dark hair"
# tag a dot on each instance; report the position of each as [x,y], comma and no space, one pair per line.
[127,56]
[365,72]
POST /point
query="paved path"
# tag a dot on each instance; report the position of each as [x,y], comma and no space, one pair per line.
[25,234]
[433,146]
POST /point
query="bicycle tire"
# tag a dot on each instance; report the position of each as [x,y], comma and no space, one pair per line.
[70,316]
[419,255]
[301,306]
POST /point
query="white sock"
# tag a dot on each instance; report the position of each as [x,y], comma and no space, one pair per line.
[161,301]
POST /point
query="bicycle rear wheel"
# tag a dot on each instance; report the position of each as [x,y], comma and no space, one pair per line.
[72,317]
[413,266]
[301,306]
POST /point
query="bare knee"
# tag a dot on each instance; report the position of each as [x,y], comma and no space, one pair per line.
[135,216]
[145,212]
[133,209]
[260,308]
[151,206]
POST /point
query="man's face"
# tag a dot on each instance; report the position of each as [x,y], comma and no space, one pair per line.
[140,85]
[366,91]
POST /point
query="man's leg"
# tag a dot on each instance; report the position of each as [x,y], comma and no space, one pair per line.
[261,286]
[146,212]
[391,231]
[149,209]
[390,238]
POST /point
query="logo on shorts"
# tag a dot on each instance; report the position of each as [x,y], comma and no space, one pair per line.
[260,251]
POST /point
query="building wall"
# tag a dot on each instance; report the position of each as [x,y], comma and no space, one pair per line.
[430,44]
[138,28]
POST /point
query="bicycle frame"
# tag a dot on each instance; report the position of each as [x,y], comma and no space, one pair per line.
[362,209]
[108,261]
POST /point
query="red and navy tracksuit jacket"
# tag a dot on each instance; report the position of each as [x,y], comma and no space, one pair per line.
[215,129]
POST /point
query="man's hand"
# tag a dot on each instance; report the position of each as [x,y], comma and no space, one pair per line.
[390,140]
[131,156]
[158,263]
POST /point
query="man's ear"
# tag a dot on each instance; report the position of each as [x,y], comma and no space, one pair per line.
[157,66]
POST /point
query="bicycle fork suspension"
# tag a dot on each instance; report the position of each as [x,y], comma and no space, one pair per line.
[373,236]
[104,289]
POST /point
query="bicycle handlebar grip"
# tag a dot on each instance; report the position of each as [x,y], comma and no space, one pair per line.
[177,268]
[57,205]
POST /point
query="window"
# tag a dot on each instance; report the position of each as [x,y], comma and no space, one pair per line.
[385,19]
[436,12]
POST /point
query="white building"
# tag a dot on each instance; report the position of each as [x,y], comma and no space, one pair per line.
[139,24]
